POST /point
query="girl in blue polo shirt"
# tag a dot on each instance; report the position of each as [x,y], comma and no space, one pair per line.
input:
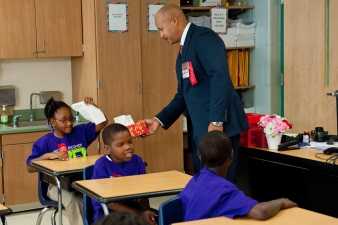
[63,138]
[208,194]
[120,161]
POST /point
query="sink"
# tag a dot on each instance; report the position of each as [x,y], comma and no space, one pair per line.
[31,123]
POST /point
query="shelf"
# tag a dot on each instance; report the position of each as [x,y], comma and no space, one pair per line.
[244,88]
[206,8]
[239,48]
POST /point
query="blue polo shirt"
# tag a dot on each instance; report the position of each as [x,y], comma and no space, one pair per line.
[209,195]
[81,136]
[105,167]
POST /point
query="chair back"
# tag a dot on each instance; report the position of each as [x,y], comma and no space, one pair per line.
[171,211]
[88,212]
[42,193]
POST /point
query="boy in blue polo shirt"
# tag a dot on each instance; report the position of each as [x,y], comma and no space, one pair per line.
[120,161]
[208,194]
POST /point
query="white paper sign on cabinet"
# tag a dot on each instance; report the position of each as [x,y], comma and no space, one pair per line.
[117,17]
[219,20]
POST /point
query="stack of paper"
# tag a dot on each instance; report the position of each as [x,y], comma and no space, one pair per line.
[202,21]
[89,112]
[239,34]
[125,120]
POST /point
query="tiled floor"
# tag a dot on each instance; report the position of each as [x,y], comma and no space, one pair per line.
[29,218]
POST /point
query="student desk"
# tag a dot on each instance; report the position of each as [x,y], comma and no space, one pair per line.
[292,216]
[296,174]
[3,212]
[58,168]
[129,187]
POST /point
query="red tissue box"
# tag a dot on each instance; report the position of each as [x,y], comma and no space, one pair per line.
[139,128]
[254,136]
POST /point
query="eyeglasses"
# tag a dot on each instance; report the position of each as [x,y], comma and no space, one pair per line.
[64,121]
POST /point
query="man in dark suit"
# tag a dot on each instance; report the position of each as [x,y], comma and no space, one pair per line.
[205,91]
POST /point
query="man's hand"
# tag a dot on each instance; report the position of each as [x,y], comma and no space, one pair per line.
[212,128]
[153,124]
[149,217]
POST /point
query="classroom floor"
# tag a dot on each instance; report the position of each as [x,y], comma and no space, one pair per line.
[29,218]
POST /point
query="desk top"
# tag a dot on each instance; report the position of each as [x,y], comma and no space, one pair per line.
[60,167]
[146,185]
[305,153]
[4,210]
[292,216]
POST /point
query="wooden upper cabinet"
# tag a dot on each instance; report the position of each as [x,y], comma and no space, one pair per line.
[40,28]
[17,29]
[59,28]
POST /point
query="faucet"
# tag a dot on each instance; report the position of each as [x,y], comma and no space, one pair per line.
[16,120]
[31,115]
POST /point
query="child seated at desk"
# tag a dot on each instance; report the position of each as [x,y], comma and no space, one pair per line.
[56,144]
[120,161]
[208,194]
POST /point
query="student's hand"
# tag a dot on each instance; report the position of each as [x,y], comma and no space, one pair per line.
[57,155]
[287,203]
[153,124]
[149,216]
[89,100]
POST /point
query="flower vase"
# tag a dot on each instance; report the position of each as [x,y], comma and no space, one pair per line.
[273,141]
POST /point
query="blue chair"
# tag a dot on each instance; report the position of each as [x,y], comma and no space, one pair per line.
[171,211]
[88,212]
[48,203]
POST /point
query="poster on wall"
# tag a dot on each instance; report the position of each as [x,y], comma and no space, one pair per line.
[152,10]
[117,17]
[219,20]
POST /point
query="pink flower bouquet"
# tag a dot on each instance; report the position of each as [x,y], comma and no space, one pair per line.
[274,124]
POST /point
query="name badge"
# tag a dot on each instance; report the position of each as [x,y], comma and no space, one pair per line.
[185,70]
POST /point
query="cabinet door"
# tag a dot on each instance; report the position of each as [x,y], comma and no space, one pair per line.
[119,65]
[18,32]
[19,186]
[305,82]
[59,28]
[163,151]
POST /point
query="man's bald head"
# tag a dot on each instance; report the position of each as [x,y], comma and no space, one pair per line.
[170,11]
[171,21]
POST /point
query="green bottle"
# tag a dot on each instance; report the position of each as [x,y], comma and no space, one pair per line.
[4,115]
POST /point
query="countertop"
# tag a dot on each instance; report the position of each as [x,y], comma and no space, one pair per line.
[27,129]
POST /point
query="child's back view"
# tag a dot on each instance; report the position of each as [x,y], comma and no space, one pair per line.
[208,194]
[120,161]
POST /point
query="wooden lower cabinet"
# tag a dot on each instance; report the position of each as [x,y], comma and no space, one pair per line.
[19,186]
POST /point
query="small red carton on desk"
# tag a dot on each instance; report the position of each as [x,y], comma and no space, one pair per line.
[137,129]
[254,136]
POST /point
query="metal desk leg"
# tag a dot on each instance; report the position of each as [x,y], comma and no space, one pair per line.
[105,209]
[58,183]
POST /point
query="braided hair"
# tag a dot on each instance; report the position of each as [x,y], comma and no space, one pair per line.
[52,106]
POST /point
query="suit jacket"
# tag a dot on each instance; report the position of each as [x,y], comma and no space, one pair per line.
[213,98]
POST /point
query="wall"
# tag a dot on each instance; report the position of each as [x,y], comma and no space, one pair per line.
[265,58]
[34,75]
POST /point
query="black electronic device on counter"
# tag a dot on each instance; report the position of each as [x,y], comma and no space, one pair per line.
[288,142]
[186,2]
[331,150]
